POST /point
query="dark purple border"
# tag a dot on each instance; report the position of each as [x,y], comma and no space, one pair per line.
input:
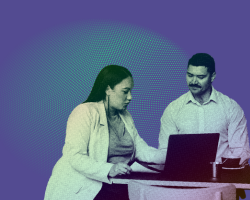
[218,28]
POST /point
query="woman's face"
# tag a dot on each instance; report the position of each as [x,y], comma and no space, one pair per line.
[120,96]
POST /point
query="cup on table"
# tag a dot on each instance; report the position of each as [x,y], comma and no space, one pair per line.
[230,162]
[216,169]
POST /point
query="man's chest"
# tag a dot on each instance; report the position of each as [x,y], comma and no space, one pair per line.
[202,119]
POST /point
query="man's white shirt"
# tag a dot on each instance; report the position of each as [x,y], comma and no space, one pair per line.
[220,114]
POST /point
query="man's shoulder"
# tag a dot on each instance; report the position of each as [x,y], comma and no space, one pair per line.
[229,104]
[177,104]
[222,98]
[180,100]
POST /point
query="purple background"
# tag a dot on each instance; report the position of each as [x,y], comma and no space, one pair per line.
[218,28]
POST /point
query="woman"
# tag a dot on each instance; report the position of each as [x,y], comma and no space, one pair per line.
[101,141]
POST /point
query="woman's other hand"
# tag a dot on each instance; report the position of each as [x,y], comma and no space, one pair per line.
[119,169]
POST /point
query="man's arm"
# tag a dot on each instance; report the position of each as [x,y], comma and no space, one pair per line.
[168,127]
[237,134]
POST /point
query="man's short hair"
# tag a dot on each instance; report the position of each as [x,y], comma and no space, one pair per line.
[203,59]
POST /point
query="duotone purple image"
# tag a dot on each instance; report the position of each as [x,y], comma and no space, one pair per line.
[52,52]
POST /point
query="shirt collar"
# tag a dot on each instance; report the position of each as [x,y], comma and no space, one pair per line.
[213,97]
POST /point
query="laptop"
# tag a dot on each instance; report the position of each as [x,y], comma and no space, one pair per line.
[189,155]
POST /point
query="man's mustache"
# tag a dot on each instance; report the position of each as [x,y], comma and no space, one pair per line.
[194,85]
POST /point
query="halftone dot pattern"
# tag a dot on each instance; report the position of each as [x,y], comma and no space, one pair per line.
[55,72]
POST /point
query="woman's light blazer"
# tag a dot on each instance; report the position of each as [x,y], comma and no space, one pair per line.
[83,167]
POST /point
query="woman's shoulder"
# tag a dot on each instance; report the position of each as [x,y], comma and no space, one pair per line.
[86,108]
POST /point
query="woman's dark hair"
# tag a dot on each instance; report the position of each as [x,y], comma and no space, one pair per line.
[203,59]
[110,76]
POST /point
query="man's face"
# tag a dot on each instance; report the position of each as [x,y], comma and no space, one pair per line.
[199,79]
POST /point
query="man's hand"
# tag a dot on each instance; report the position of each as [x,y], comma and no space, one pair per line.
[119,168]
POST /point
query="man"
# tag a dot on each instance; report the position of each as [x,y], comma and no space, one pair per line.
[205,110]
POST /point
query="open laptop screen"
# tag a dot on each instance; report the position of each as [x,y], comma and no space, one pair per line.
[190,153]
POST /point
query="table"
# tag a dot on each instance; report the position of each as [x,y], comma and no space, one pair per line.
[240,178]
